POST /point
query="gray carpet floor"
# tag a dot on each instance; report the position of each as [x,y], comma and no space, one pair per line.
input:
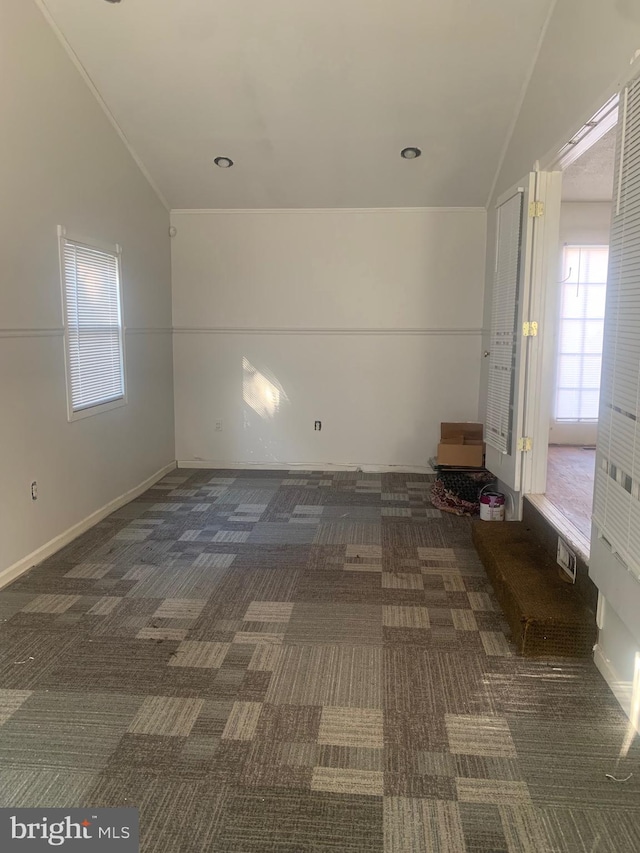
[265,662]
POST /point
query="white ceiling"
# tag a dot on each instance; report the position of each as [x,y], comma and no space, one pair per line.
[313,99]
[590,178]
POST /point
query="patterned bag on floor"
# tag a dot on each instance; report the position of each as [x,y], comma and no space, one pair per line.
[448,502]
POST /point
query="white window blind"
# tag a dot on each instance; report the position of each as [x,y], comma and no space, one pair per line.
[504,319]
[93,326]
[582,307]
[617,489]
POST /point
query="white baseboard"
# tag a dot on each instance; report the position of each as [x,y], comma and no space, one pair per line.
[622,690]
[306,466]
[12,572]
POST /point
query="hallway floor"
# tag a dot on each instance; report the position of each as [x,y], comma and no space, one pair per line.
[570,481]
[266,662]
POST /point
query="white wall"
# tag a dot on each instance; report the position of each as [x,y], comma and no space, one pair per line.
[586,49]
[63,163]
[617,653]
[366,320]
[585,222]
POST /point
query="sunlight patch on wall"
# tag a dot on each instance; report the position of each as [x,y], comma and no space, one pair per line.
[263,393]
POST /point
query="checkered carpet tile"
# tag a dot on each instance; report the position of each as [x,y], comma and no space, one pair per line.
[273,662]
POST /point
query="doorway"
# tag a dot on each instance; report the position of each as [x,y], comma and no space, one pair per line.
[577,310]
[611,549]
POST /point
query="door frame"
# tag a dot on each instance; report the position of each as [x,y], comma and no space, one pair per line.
[539,377]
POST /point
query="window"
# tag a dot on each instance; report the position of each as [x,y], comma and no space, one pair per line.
[92,299]
[582,302]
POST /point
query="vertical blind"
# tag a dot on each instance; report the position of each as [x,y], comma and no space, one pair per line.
[93,326]
[504,319]
[617,488]
[582,308]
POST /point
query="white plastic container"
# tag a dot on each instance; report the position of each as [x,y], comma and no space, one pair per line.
[492,506]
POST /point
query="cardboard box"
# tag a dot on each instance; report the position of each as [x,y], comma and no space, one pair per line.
[461,445]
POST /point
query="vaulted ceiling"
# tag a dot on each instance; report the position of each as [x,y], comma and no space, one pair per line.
[312,99]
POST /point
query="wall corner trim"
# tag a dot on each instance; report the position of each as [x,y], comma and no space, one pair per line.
[49,548]
[520,102]
[295,211]
[75,59]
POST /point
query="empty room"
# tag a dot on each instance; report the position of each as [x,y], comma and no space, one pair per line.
[308,346]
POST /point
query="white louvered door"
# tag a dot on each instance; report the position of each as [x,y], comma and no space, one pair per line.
[616,512]
[507,355]
[504,324]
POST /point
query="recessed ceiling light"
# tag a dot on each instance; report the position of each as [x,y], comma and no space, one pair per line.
[224,162]
[113,1]
[410,153]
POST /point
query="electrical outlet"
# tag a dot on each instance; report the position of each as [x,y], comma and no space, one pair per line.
[317,426]
[218,426]
[567,559]
[34,491]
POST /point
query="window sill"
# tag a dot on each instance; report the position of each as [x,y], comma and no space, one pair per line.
[81,414]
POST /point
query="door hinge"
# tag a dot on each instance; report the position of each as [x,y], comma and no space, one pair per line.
[530,329]
[536,209]
[525,444]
